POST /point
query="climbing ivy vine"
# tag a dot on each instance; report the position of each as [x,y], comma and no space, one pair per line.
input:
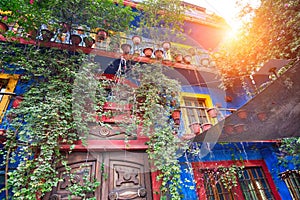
[48,116]
[51,113]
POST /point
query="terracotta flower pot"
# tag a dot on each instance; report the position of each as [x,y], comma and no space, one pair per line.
[166,45]
[204,62]
[136,40]
[148,52]
[176,116]
[17,101]
[3,27]
[88,41]
[206,126]
[187,59]
[101,35]
[212,112]
[229,129]
[240,128]
[262,116]
[242,114]
[2,135]
[47,35]
[126,48]
[159,54]
[75,39]
[178,58]
[195,128]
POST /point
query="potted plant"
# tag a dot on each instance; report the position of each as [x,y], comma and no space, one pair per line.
[159,54]
[178,58]
[88,41]
[47,35]
[3,27]
[242,114]
[2,135]
[206,126]
[240,128]
[212,112]
[136,40]
[101,35]
[17,101]
[262,116]
[166,46]
[126,48]
[187,59]
[148,52]
[229,129]
[75,39]
[176,116]
[195,128]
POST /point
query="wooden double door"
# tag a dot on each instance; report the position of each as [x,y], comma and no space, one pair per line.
[123,175]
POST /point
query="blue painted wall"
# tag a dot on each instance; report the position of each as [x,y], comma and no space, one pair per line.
[209,152]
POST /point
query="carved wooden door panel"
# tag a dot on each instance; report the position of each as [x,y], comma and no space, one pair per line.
[122,175]
[83,167]
[128,176]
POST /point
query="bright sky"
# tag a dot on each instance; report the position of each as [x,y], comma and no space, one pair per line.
[224,8]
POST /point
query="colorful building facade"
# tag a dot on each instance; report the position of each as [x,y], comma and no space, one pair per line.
[213,167]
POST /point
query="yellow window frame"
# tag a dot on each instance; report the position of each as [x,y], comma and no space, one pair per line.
[11,85]
[203,97]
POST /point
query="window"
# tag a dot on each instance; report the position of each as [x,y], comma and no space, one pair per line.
[7,86]
[292,180]
[214,189]
[253,182]
[193,108]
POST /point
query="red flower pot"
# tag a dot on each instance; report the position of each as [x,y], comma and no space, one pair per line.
[2,135]
[262,116]
[159,54]
[166,45]
[136,40]
[3,27]
[126,48]
[187,59]
[195,128]
[240,128]
[47,35]
[176,116]
[101,35]
[17,101]
[148,52]
[178,58]
[212,112]
[242,114]
[206,126]
[75,39]
[88,41]
[229,129]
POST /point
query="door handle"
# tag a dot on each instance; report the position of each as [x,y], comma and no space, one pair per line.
[128,193]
